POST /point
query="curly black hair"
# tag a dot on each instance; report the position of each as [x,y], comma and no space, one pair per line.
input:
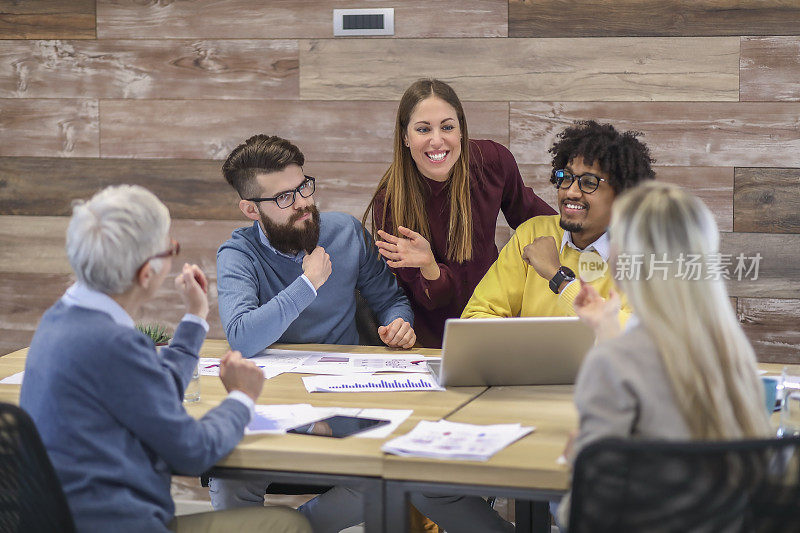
[622,156]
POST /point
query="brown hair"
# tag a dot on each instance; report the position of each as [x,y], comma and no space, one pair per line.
[260,154]
[404,188]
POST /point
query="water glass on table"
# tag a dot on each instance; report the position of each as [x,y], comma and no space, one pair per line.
[192,393]
[790,406]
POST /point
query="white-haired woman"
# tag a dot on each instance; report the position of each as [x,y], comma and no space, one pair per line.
[683,368]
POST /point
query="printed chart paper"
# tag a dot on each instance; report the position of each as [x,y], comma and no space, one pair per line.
[379,383]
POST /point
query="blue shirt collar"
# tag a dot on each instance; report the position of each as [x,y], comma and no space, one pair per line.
[297,258]
[80,295]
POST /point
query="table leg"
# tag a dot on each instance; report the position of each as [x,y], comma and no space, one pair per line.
[396,507]
[374,498]
[532,516]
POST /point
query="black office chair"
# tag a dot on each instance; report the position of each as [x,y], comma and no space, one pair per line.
[31,499]
[658,486]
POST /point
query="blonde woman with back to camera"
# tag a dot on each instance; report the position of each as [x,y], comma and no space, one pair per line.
[682,369]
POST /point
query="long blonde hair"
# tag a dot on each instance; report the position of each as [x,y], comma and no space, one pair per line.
[404,189]
[709,361]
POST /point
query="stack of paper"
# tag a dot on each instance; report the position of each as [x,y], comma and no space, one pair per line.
[450,440]
[273,362]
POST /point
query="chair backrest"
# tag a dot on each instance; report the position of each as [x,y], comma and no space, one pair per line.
[658,486]
[366,323]
[31,498]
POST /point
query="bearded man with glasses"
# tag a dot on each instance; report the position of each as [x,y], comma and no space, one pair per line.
[535,274]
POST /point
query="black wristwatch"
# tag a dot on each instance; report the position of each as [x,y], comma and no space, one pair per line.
[563,274]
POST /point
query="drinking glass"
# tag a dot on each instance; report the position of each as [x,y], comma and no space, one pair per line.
[192,393]
[790,406]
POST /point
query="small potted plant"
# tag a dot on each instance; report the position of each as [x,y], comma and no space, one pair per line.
[157,332]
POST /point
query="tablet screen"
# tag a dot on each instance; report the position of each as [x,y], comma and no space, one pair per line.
[338,426]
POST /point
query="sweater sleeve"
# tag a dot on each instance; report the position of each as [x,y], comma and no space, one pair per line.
[607,407]
[430,294]
[377,284]
[519,202]
[180,357]
[499,293]
[141,393]
[251,327]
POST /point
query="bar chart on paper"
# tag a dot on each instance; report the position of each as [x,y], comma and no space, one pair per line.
[374,383]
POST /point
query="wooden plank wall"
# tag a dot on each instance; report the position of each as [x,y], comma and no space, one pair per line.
[97,92]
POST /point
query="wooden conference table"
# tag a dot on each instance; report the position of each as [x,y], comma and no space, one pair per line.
[526,470]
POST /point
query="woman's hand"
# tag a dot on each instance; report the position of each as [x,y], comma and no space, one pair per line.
[409,250]
[600,314]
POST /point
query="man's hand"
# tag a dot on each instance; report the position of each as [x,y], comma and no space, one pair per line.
[600,314]
[191,284]
[542,255]
[237,373]
[411,250]
[317,267]
[398,334]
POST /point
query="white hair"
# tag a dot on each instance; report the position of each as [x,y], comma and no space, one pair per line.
[113,234]
[707,357]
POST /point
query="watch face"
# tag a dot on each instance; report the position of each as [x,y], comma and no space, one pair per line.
[568,273]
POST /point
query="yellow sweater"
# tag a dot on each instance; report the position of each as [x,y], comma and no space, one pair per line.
[512,288]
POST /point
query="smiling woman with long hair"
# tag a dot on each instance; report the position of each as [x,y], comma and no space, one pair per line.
[435,210]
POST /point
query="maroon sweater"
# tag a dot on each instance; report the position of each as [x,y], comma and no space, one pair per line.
[495,184]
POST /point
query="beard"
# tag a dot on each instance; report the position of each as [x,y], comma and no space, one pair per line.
[572,227]
[289,239]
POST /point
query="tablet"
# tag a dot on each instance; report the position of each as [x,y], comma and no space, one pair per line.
[338,426]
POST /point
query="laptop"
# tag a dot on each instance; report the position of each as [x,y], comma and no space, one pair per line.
[512,351]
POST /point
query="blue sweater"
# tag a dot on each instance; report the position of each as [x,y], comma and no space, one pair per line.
[108,408]
[263,299]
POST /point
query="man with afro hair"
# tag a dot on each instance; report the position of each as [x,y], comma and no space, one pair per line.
[536,271]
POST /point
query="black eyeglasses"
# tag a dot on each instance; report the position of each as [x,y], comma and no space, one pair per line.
[286,199]
[588,183]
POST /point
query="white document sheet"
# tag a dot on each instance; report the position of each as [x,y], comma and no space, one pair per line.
[451,440]
[374,383]
[209,366]
[13,379]
[274,362]
[279,418]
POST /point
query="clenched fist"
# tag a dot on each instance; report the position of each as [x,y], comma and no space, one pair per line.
[237,373]
[317,267]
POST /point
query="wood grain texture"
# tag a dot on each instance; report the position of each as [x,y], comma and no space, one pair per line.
[47,185]
[63,127]
[769,69]
[34,247]
[771,326]
[24,297]
[713,185]
[191,188]
[210,69]
[47,19]
[633,69]
[287,19]
[767,200]
[678,134]
[779,269]
[324,131]
[559,18]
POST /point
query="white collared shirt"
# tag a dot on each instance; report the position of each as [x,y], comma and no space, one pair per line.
[601,246]
[79,295]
